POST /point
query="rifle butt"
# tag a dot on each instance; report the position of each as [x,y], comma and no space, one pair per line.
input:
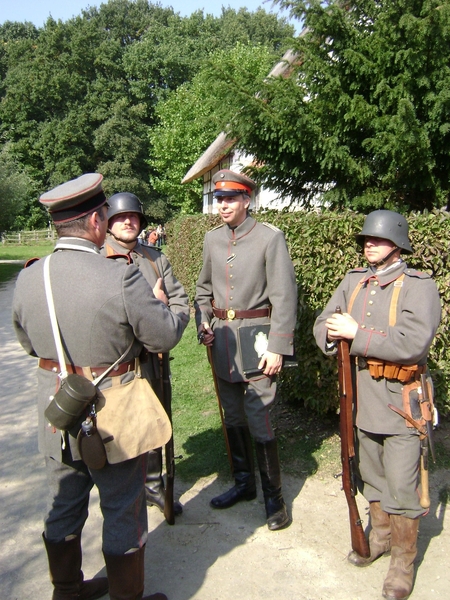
[358,538]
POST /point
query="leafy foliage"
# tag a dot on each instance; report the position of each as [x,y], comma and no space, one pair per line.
[80,96]
[188,120]
[323,248]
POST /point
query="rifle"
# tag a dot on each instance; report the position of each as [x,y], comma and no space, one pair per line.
[359,542]
[170,458]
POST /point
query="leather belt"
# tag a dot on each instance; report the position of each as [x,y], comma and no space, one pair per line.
[230,314]
[52,365]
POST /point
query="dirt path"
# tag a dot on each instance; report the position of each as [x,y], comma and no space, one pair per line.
[207,554]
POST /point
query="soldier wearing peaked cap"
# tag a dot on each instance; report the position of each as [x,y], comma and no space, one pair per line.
[126,219]
[247,279]
[104,309]
[390,317]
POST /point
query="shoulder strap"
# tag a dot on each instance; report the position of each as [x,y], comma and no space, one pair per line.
[398,284]
[152,262]
[354,294]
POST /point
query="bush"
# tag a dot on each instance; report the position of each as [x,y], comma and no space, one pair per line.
[323,248]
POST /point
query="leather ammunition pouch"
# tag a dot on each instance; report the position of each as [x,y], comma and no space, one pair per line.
[389,370]
[414,404]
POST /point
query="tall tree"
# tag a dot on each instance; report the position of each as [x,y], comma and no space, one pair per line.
[363,120]
[191,118]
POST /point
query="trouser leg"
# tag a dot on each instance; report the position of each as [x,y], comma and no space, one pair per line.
[269,468]
[399,581]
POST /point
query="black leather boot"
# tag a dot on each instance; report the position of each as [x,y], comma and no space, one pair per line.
[64,561]
[244,488]
[154,483]
[126,576]
[269,468]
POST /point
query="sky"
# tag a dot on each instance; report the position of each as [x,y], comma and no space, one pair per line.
[38,11]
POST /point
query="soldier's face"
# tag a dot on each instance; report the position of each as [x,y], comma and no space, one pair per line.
[376,249]
[233,209]
[125,227]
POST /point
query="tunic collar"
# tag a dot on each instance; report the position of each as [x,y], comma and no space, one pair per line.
[76,243]
[241,230]
[387,276]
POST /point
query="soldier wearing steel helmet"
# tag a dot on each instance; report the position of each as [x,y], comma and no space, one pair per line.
[390,317]
[126,220]
[247,279]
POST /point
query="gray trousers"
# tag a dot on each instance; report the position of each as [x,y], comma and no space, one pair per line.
[247,404]
[122,501]
[389,471]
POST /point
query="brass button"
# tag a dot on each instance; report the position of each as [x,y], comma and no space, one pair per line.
[370,301]
[375,283]
[234,243]
[231,297]
[232,287]
[363,326]
[368,314]
[373,292]
[231,275]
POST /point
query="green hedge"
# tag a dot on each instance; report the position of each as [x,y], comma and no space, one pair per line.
[323,248]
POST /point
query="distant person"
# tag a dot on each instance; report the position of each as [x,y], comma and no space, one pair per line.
[247,278]
[161,236]
[103,307]
[152,237]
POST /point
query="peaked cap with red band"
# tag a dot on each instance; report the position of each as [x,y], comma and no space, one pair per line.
[75,198]
[229,183]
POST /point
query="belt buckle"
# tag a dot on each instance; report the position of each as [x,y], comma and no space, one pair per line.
[231,314]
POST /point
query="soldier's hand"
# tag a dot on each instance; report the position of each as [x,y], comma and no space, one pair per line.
[341,327]
[205,334]
[271,363]
[159,292]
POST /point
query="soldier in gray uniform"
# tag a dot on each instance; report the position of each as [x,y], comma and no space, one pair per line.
[103,307]
[390,316]
[126,220]
[247,279]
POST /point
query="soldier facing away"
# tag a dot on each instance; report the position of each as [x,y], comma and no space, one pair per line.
[247,279]
[105,309]
[390,317]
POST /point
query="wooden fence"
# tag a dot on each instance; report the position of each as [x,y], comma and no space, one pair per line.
[27,238]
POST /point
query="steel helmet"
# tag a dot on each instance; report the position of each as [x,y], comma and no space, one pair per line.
[124,202]
[388,225]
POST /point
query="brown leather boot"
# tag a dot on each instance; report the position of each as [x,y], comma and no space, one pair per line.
[399,581]
[64,560]
[126,576]
[379,537]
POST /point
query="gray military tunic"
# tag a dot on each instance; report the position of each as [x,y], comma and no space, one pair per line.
[247,268]
[151,261]
[102,306]
[408,343]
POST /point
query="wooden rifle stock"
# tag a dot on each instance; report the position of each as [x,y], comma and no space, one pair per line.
[358,539]
[169,452]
